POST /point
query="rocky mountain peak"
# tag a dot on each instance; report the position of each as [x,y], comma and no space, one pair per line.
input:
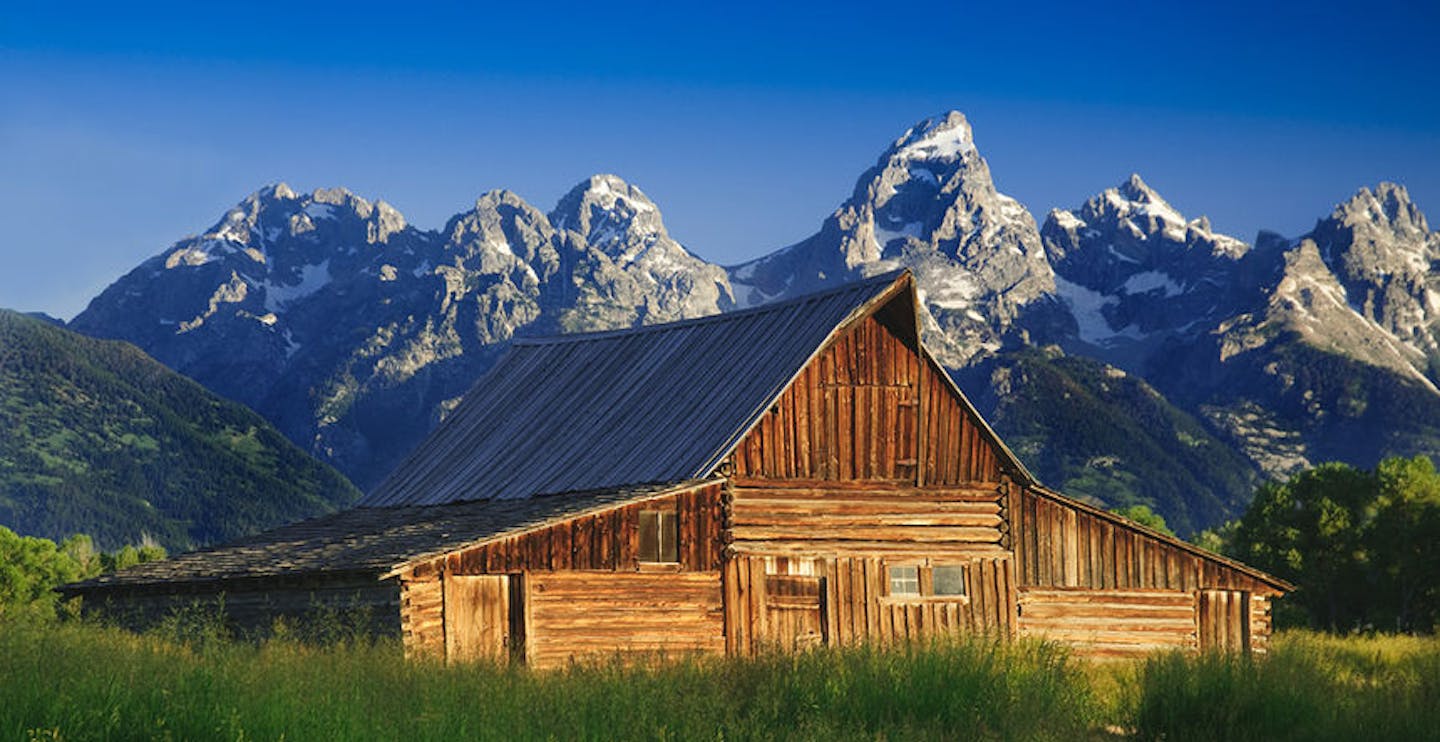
[1388,206]
[929,204]
[503,231]
[1135,189]
[944,138]
[1380,247]
[610,214]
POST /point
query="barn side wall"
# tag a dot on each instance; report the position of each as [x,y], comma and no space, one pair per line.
[1112,589]
[576,572]
[308,605]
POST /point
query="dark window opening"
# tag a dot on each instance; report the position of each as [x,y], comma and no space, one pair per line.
[659,540]
[949,579]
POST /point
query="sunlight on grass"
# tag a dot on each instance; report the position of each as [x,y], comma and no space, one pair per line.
[78,681]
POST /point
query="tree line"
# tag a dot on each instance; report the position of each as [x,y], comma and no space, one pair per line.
[32,567]
[1361,546]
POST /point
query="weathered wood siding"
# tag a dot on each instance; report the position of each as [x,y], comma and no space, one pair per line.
[1111,622]
[1225,620]
[605,544]
[1260,624]
[422,616]
[871,518]
[954,448]
[1114,590]
[251,607]
[590,615]
[1060,545]
[767,608]
[607,540]
[857,412]
[851,414]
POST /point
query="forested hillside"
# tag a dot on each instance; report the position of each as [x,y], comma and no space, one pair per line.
[101,439]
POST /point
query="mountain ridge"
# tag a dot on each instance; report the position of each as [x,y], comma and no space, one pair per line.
[356,332]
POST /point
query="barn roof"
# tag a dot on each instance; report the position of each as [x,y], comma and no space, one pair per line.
[652,404]
[370,540]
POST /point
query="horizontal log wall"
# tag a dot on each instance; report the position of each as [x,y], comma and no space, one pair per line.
[584,616]
[1061,545]
[422,616]
[954,445]
[1260,624]
[251,608]
[851,414]
[857,608]
[1111,623]
[870,518]
[608,540]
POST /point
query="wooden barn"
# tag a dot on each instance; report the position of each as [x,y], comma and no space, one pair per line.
[798,474]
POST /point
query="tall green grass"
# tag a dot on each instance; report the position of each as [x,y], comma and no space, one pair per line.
[1310,687]
[85,682]
[76,681]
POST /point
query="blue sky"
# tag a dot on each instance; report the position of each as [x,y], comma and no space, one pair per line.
[126,127]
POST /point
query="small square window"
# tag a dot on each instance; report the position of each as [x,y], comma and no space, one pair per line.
[949,579]
[658,539]
[904,580]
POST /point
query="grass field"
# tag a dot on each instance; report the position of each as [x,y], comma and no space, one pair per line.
[76,682]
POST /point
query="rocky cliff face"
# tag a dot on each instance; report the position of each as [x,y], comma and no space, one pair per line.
[928,204]
[1383,253]
[355,332]
[1133,271]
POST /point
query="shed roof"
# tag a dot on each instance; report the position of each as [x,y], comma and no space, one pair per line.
[653,404]
[370,540]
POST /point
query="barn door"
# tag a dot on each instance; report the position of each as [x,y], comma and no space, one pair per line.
[483,617]
[795,611]
[1224,620]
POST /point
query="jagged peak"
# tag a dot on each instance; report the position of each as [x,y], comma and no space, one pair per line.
[623,202]
[941,138]
[1389,203]
[1136,189]
[278,191]
[502,197]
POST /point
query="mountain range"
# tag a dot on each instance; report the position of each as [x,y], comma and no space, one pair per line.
[1130,354]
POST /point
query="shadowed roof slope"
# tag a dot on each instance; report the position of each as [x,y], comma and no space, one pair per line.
[663,403]
[368,540]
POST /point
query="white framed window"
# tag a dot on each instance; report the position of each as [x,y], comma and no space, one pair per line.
[905,580]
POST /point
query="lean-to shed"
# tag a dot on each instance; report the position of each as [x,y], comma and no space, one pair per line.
[797,474]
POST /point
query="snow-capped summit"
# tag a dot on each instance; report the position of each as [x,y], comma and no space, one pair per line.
[941,139]
[613,216]
[929,204]
[1133,270]
[335,319]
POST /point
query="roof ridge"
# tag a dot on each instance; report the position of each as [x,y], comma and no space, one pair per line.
[879,279]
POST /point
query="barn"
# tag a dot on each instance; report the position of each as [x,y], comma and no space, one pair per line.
[798,474]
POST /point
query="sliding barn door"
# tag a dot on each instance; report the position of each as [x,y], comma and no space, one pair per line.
[483,617]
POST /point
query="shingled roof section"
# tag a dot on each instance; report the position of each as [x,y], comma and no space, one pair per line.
[370,540]
[593,411]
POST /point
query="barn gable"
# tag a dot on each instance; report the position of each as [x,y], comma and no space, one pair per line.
[873,405]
